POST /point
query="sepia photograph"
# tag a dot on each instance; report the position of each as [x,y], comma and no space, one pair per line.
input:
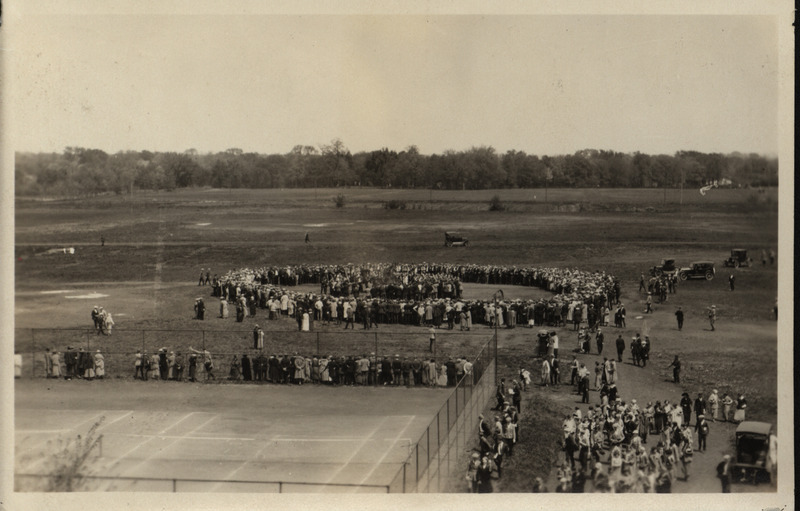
[413,251]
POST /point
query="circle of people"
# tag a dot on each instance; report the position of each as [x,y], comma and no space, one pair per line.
[418,294]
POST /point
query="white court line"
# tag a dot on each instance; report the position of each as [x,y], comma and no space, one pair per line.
[386,453]
[353,439]
[150,456]
[243,464]
[117,460]
[364,443]
[187,437]
[42,442]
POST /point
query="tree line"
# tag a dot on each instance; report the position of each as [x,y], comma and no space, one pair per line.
[86,171]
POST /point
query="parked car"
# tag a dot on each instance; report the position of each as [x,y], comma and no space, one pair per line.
[454,239]
[756,451]
[698,270]
[666,266]
[738,258]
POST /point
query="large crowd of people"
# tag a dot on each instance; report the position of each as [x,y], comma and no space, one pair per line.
[421,294]
[301,369]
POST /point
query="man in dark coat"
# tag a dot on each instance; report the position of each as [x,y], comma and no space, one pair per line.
[163,366]
[450,366]
[620,347]
[679,317]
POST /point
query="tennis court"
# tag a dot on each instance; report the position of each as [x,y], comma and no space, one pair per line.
[169,436]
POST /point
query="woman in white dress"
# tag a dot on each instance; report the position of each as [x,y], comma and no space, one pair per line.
[305,327]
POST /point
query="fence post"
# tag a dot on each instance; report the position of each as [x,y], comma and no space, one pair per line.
[88,343]
[174,486]
[317,344]
[405,464]
[204,340]
[143,345]
[376,359]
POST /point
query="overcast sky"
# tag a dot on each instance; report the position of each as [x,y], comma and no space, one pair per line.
[540,84]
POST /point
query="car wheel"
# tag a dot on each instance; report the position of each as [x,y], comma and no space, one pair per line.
[736,264]
[466,243]
[683,276]
[709,275]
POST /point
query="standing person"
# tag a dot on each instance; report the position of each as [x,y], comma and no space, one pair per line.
[431,339]
[255,337]
[472,472]
[676,369]
[731,280]
[727,406]
[741,405]
[308,240]
[138,366]
[545,373]
[702,430]
[679,317]
[554,337]
[699,407]
[192,367]
[202,277]
[208,362]
[48,364]
[713,405]
[724,473]
[620,347]
[223,308]
[163,364]
[642,285]
[102,241]
[484,476]
[648,304]
[55,364]
[599,338]
[96,319]
[712,316]
[99,365]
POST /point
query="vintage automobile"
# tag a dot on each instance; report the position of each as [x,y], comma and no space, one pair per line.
[756,452]
[454,239]
[738,258]
[666,266]
[698,270]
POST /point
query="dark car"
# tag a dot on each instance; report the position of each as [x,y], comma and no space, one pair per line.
[454,239]
[756,451]
[698,270]
[666,266]
[738,258]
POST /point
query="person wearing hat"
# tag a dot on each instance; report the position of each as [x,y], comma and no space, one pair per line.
[648,304]
[702,431]
[699,406]
[712,316]
[96,319]
[223,308]
[724,473]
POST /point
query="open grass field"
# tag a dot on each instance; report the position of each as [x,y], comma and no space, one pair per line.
[157,243]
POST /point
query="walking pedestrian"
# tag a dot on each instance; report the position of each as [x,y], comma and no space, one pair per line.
[676,369]
[712,316]
[724,473]
[679,317]
[731,280]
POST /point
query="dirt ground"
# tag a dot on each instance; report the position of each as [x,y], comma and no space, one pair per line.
[156,246]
